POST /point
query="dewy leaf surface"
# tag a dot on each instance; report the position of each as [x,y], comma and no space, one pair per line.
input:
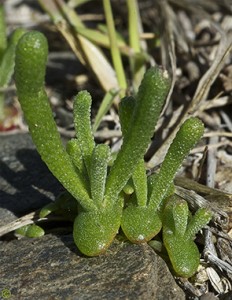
[98,172]
[31,58]
[81,111]
[149,102]
[187,136]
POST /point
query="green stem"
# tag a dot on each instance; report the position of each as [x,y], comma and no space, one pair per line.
[8,60]
[137,57]
[133,25]
[104,107]
[115,53]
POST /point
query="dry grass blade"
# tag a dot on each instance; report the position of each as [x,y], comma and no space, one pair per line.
[224,48]
[211,255]
[18,223]
[168,44]
[87,52]
[99,65]
[31,218]
[203,88]
[199,188]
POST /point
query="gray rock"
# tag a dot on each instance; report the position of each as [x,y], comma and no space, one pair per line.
[51,267]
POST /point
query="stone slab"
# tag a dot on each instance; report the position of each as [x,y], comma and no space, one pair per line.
[51,267]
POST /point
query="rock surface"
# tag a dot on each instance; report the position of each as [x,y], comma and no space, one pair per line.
[51,267]
[25,182]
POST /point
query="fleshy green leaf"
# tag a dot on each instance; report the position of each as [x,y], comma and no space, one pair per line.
[81,112]
[187,136]
[126,109]
[64,205]
[180,216]
[74,151]
[31,231]
[178,236]
[198,221]
[93,232]
[140,223]
[3,37]
[31,57]
[98,172]
[149,101]
[139,178]
[48,209]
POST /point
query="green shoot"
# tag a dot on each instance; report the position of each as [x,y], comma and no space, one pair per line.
[178,235]
[146,209]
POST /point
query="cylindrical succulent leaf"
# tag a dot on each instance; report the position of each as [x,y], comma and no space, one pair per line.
[81,112]
[126,109]
[198,221]
[180,215]
[139,178]
[183,252]
[30,65]
[74,151]
[31,59]
[98,172]
[187,136]
[149,102]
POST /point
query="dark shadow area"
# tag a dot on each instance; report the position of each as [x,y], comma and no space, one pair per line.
[28,189]
[68,242]
[26,185]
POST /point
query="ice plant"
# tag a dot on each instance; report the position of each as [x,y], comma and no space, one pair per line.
[141,219]
[96,197]
[82,168]
[179,230]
